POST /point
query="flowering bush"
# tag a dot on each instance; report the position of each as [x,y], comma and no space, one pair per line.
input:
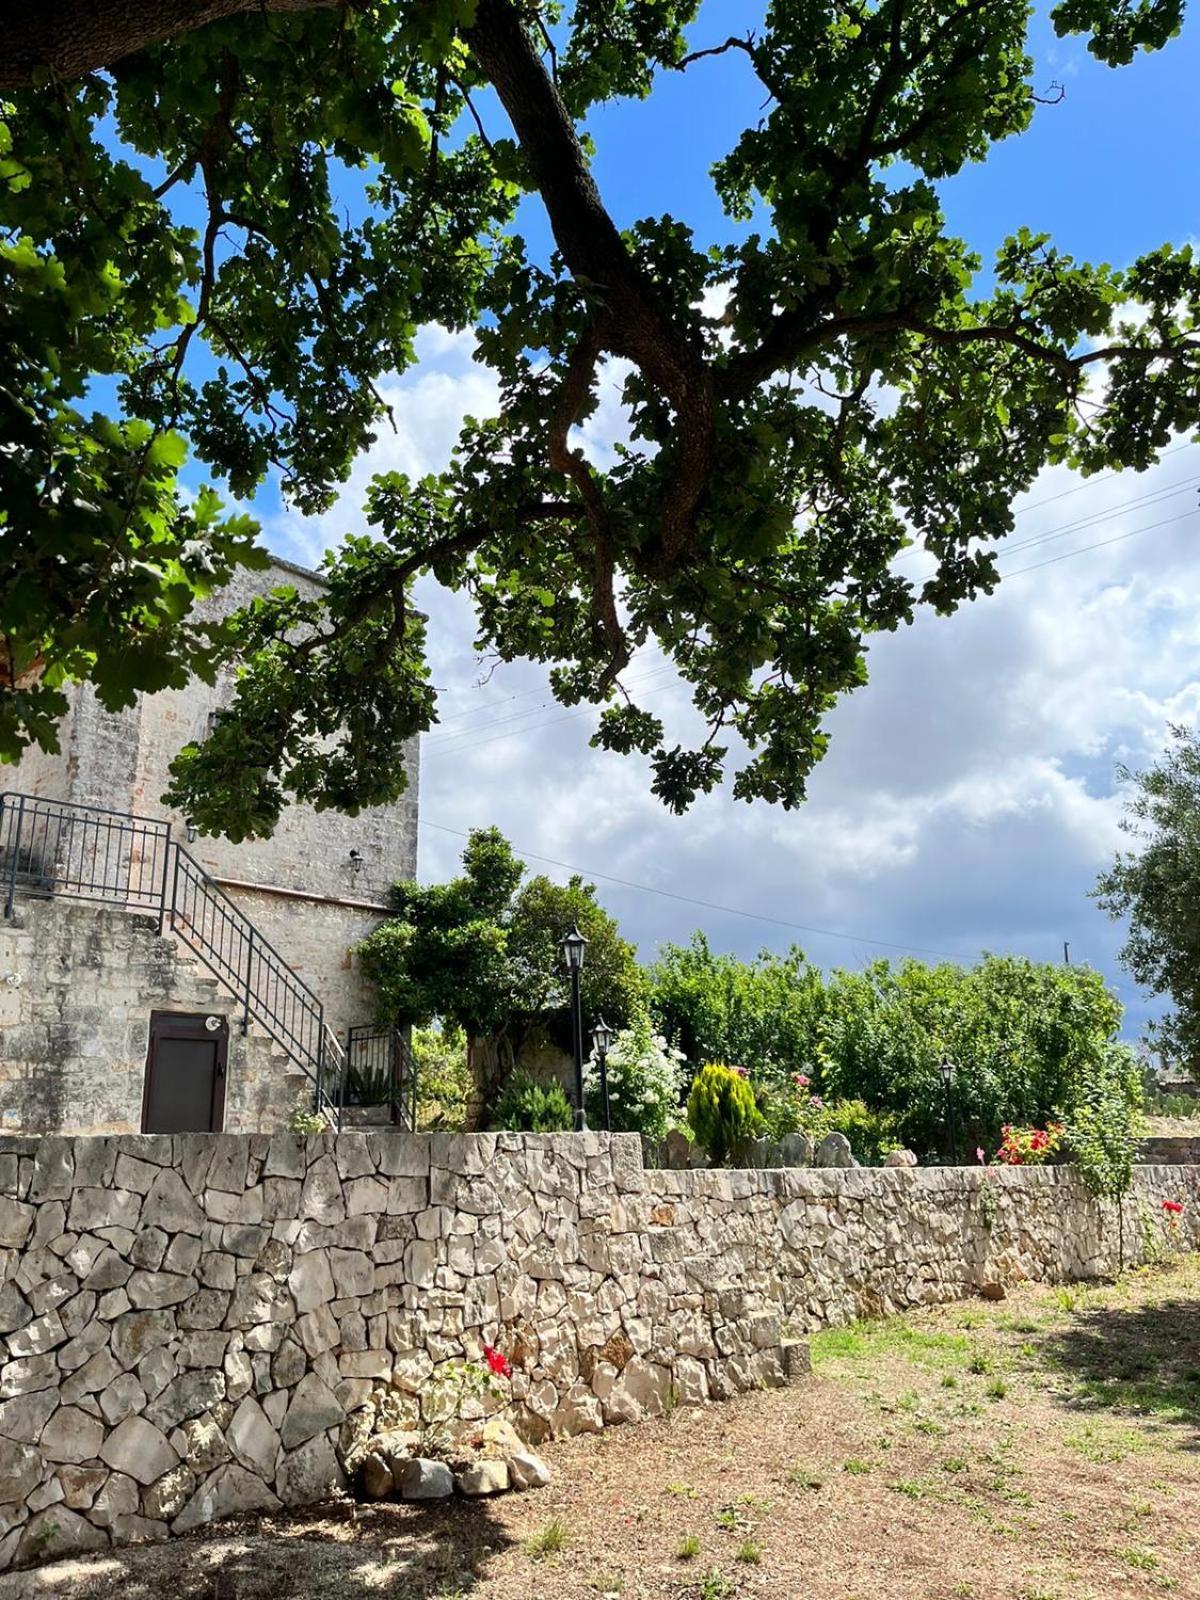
[1172,1211]
[1029,1147]
[644,1079]
[458,1392]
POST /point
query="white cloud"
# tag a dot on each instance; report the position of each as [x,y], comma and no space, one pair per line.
[968,799]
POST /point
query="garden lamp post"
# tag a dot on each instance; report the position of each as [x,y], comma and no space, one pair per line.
[602,1037]
[572,947]
[947,1070]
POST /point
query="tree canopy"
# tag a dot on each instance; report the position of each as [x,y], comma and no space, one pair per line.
[481,952]
[223,221]
[1157,886]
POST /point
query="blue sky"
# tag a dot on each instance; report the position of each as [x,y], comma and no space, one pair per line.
[969,797]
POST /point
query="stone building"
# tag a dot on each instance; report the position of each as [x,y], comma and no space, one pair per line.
[95,1000]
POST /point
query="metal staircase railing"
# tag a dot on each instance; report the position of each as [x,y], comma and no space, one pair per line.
[382,1070]
[51,848]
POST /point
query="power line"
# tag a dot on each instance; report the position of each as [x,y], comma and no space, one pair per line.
[706,905]
[533,711]
[1101,544]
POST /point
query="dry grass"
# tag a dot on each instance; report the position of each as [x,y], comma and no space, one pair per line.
[1046,1447]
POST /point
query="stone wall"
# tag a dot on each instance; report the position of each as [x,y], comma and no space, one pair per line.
[200,1325]
[78,984]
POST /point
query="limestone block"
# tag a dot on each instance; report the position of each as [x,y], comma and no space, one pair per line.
[204,1445]
[97,1208]
[71,1435]
[312,1409]
[423,1479]
[483,1478]
[15,1311]
[24,1417]
[376,1477]
[36,1337]
[16,1222]
[148,1248]
[156,1290]
[20,1471]
[229,1490]
[80,1485]
[117,1498]
[139,1450]
[58,1532]
[123,1397]
[254,1442]
[313,1472]
[138,1333]
[321,1194]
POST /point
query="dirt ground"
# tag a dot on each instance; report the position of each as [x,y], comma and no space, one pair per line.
[1044,1447]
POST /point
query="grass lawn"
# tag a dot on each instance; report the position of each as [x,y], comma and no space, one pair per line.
[1043,1447]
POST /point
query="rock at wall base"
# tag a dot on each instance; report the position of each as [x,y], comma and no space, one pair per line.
[422,1479]
[483,1478]
[795,1360]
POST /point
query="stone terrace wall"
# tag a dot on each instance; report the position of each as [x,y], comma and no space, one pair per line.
[195,1326]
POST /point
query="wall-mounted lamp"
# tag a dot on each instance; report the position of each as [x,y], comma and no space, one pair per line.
[189,828]
[356,861]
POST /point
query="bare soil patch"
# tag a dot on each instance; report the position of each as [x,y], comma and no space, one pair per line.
[1044,1447]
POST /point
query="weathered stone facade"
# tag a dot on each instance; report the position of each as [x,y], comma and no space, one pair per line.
[199,1325]
[299,887]
[78,986]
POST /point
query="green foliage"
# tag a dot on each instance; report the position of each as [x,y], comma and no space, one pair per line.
[872,1134]
[645,1077]
[481,952]
[230,235]
[444,953]
[1021,1034]
[527,1106]
[764,1014]
[1157,887]
[443,1078]
[721,1111]
[1104,1122]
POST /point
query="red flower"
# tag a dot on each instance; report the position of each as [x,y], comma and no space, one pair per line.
[498,1361]
[1173,1206]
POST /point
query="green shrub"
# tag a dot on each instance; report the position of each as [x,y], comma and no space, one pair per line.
[527,1106]
[721,1110]
[1105,1123]
[443,1078]
[871,1133]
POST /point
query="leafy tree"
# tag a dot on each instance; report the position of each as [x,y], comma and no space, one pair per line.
[763,1014]
[1157,886]
[481,953]
[222,222]
[443,1078]
[1022,1035]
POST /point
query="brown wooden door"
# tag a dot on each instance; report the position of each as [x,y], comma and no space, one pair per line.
[185,1075]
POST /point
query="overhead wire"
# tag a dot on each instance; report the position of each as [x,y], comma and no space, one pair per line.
[707,905]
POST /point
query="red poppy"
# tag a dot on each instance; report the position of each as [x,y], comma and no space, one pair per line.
[1173,1206]
[498,1361]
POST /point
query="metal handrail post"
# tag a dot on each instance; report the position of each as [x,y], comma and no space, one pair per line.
[16,856]
[249,986]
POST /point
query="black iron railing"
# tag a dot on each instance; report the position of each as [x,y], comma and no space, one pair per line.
[381,1070]
[49,847]
[57,848]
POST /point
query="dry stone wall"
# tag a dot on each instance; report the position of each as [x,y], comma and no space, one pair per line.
[201,1325]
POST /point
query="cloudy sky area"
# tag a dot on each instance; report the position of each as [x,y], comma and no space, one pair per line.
[969,797]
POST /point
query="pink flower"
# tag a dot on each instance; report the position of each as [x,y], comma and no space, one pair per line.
[741,1072]
[979,1155]
[802,1080]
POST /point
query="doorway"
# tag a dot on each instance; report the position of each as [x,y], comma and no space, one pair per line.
[185,1074]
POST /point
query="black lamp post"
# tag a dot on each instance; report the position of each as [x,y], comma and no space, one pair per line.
[602,1037]
[947,1070]
[572,948]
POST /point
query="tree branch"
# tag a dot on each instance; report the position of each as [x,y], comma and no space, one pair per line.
[70,38]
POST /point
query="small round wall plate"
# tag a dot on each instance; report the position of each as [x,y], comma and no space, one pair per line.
[213,1024]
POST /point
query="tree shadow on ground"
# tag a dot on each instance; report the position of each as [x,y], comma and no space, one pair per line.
[1142,1360]
[332,1552]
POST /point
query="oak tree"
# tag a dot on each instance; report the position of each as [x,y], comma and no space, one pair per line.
[223,221]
